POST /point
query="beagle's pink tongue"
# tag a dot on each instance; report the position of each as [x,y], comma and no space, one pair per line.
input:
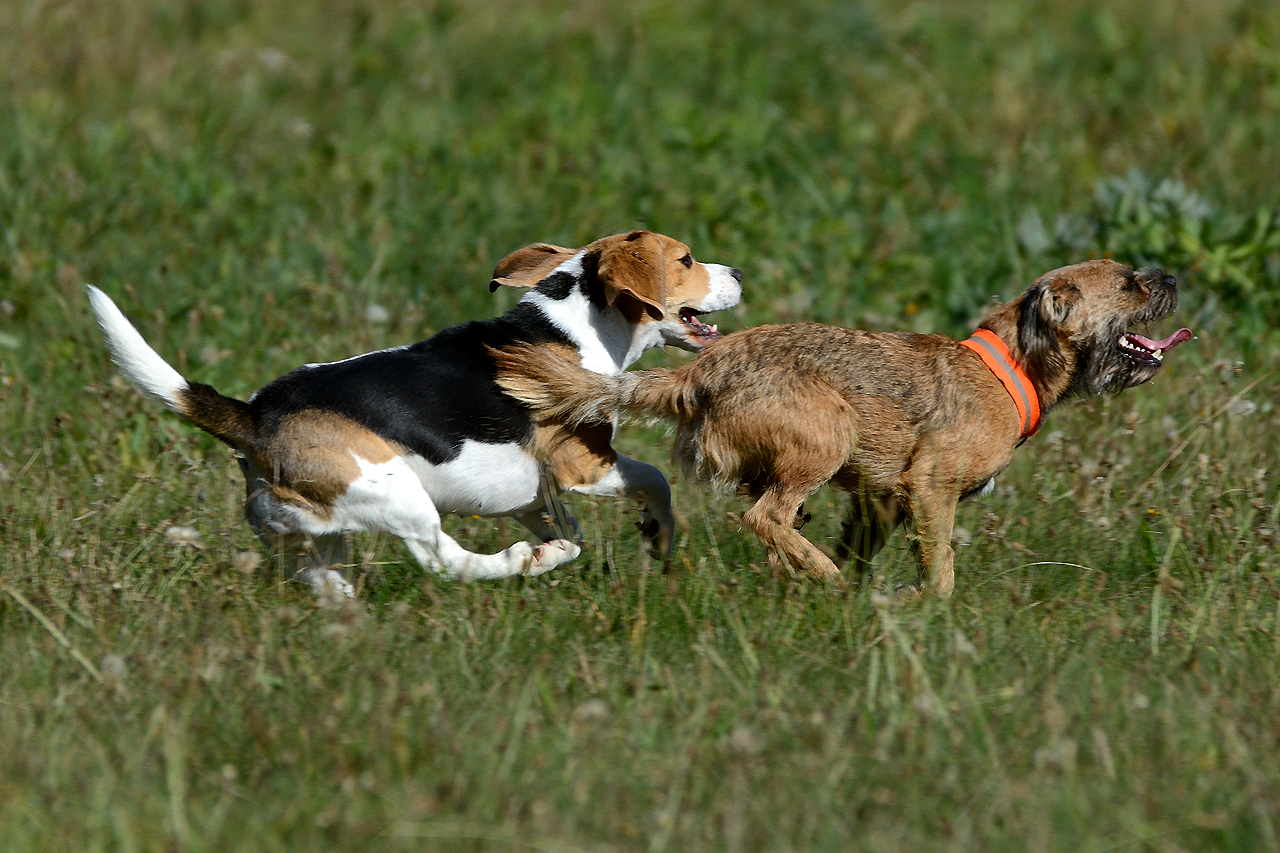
[1179,337]
[700,328]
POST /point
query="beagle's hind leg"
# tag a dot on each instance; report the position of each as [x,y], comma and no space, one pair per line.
[327,554]
[390,497]
[314,558]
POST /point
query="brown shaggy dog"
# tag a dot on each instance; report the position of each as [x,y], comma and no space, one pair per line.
[908,423]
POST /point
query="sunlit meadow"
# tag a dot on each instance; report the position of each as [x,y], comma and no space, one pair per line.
[265,184]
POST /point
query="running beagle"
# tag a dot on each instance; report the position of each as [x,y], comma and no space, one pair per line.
[390,439]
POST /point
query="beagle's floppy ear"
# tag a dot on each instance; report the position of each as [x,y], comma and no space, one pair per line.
[632,271]
[528,266]
[1043,309]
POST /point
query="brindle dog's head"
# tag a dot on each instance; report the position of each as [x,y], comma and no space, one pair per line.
[1076,327]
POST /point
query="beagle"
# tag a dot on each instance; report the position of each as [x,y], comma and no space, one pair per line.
[390,439]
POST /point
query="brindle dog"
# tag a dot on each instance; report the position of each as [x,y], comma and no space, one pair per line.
[909,423]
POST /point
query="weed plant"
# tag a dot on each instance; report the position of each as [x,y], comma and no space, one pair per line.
[266,184]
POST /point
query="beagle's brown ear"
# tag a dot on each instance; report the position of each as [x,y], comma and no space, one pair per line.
[528,266]
[632,271]
[1044,308]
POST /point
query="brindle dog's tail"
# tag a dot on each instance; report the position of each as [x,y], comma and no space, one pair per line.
[223,417]
[554,385]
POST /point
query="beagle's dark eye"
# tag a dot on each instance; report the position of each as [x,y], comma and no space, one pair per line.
[687,260]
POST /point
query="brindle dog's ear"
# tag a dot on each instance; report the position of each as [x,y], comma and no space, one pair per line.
[528,266]
[1044,308]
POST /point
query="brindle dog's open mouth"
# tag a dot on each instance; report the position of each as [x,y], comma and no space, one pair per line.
[1145,351]
[699,329]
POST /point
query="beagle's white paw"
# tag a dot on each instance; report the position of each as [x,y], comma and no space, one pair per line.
[548,555]
[329,586]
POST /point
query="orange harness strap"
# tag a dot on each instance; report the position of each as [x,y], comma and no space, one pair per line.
[999,360]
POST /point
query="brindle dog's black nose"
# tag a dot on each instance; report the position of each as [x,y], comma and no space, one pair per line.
[1153,276]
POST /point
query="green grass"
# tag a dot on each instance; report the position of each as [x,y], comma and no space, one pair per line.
[247,179]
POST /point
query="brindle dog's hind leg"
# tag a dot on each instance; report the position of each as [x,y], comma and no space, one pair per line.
[772,520]
[865,530]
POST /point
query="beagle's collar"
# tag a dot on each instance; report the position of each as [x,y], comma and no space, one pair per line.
[1000,361]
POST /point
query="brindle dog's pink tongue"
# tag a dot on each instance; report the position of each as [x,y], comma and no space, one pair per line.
[1179,337]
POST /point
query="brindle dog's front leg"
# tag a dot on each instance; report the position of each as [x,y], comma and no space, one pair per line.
[934,514]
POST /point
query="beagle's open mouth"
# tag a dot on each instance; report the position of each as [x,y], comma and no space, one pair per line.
[698,328]
[1143,350]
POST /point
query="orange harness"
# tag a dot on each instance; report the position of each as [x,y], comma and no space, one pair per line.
[997,357]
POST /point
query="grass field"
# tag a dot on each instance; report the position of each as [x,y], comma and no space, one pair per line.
[265,184]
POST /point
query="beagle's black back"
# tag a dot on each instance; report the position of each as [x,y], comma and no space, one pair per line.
[427,397]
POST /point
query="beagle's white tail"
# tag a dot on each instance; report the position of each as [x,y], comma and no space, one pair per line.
[140,364]
[224,417]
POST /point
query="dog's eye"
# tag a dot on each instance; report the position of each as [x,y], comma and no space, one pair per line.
[687,260]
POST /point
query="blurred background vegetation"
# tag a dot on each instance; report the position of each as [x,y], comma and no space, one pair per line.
[887,163]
